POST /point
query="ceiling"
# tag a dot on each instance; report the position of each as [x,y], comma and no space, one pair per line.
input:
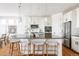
[34,9]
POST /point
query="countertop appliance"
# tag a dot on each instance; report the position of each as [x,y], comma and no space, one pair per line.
[67,34]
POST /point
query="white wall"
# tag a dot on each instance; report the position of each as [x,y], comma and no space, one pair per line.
[57,24]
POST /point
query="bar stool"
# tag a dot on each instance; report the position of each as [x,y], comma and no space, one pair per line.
[38,46]
[14,47]
[7,38]
[52,46]
[4,39]
[1,43]
[25,47]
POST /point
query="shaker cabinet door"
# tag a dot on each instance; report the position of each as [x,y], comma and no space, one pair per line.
[75,43]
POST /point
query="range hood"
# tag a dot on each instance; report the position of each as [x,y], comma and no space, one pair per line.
[34,26]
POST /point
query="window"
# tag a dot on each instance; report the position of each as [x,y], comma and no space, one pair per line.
[3,21]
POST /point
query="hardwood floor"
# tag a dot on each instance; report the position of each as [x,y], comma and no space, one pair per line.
[66,52]
[4,51]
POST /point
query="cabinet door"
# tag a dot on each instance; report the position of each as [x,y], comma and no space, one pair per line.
[68,16]
[77,44]
[57,25]
[73,43]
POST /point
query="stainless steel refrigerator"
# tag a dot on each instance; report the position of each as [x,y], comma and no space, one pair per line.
[67,34]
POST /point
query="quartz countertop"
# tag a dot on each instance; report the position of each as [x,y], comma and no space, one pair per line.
[76,35]
[26,37]
[39,38]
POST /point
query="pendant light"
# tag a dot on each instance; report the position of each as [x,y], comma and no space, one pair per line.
[20,12]
[46,20]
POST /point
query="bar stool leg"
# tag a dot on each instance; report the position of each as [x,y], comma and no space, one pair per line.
[29,49]
[43,50]
[38,47]
[33,50]
[19,49]
[46,49]
[12,49]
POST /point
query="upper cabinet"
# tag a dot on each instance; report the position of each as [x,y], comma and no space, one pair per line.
[73,16]
[68,16]
[37,20]
[41,20]
[48,21]
[57,24]
[77,15]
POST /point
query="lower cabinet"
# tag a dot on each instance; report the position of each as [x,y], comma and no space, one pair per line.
[75,43]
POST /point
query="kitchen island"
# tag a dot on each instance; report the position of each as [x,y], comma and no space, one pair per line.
[26,47]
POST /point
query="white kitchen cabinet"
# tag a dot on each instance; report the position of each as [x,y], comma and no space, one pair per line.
[48,21]
[77,15]
[72,16]
[68,16]
[57,24]
[73,46]
[75,43]
[34,20]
